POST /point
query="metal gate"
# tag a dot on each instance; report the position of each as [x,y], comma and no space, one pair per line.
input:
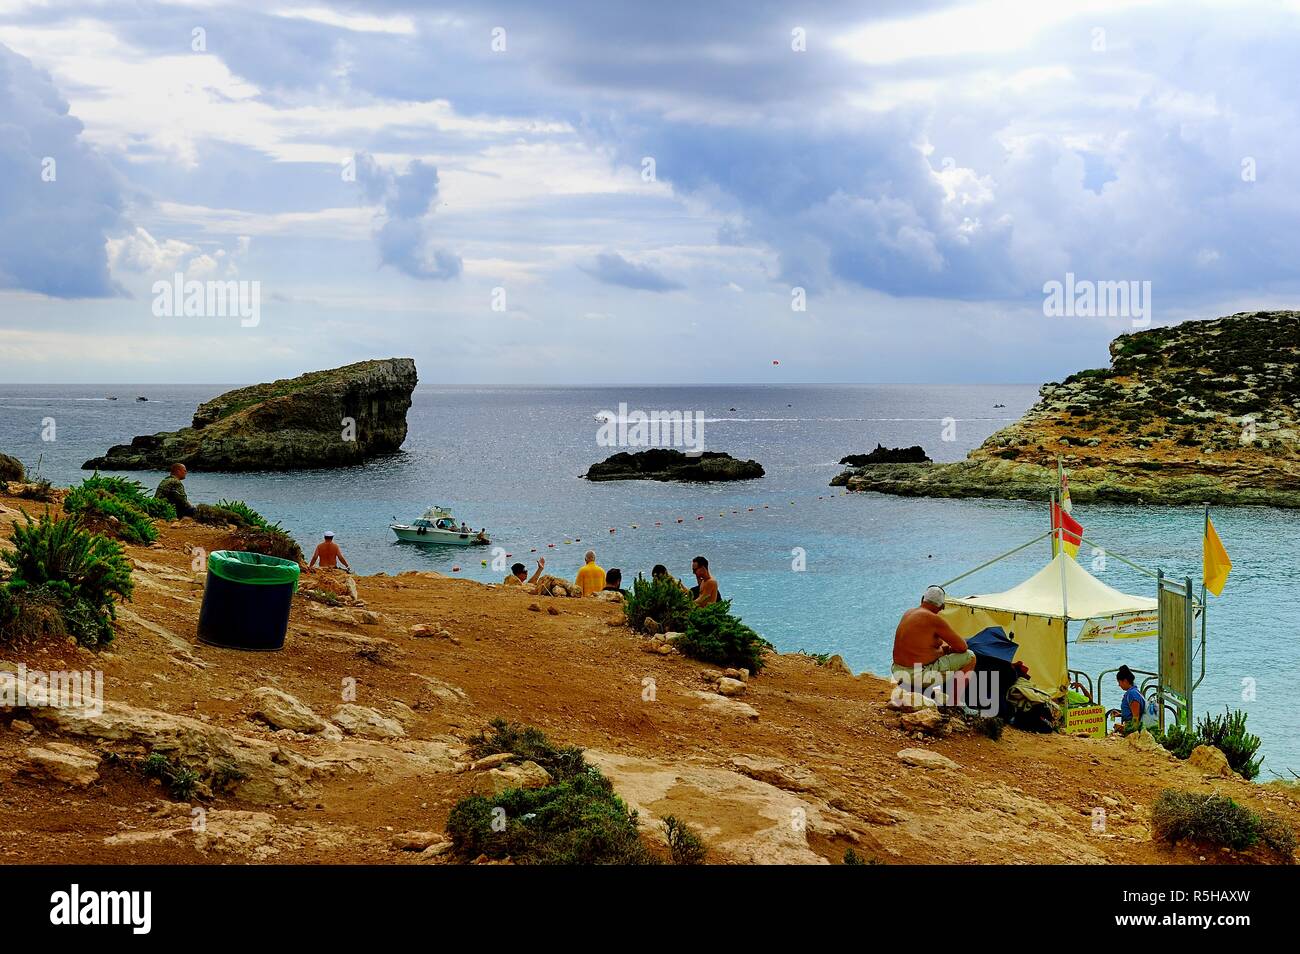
[1177,610]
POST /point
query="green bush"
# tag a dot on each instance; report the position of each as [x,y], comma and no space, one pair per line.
[133,492]
[527,742]
[662,600]
[1217,820]
[35,612]
[274,543]
[99,498]
[684,846]
[179,778]
[8,608]
[713,635]
[86,571]
[133,524]
[38,489]
[255,533]
[576,820]
[1228,734]
[233,511]
[1179,740]
[851,857]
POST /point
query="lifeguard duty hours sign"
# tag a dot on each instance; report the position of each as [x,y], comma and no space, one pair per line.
[1086,720]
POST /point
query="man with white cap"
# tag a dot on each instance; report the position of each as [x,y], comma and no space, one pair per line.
[924,641]
[329,554]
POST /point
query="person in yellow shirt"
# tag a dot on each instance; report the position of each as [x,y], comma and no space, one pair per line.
[591,578]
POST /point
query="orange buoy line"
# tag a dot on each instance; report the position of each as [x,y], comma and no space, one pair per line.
[680,520]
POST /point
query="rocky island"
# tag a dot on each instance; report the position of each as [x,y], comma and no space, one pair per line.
[661,463]
[331,418]
[887,455]
[1204,411]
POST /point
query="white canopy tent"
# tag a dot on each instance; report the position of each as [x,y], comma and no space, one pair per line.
[1061,590]
[1036,613]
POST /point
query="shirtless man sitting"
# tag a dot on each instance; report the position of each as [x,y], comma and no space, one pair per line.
[924,640]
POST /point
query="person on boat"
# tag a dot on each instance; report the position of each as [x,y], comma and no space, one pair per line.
[463,527]
[329,554]
[519,573]
[1133,711]
[924,641]
[591,578]
[705,590]
[614,582]
[173,491]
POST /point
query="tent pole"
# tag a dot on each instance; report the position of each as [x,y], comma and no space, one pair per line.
[1120,557]
[995,560]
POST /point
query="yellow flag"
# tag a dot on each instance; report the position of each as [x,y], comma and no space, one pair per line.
[1215,563]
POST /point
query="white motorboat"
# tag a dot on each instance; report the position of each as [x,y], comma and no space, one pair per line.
[437,525]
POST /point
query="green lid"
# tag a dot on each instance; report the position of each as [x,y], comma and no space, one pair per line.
[255,568]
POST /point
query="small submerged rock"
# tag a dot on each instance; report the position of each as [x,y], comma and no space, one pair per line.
[661,463]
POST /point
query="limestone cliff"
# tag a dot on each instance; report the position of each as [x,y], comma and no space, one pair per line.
[328,418]
[1201,411]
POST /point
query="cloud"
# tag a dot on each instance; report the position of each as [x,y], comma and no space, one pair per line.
[405,237]
[139,251]
[59,200]
[613,269]
[901,164]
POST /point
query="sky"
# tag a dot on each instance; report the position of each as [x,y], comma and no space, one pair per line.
[589,192]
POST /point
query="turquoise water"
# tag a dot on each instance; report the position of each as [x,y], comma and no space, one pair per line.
[509,459]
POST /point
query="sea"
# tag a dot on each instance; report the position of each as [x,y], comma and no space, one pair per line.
[807,566]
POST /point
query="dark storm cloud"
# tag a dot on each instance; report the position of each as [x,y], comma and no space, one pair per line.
[59,200]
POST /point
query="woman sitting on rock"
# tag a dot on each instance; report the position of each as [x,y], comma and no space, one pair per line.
[1133,712]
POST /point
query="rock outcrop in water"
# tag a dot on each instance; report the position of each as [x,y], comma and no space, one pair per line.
[329,418]
[881,455]
[666,464]
[888,455]
[1205,411]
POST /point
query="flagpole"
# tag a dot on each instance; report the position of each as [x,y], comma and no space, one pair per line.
[1205,537]
[1051,520]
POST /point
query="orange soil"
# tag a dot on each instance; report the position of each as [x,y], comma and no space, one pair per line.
[578,676]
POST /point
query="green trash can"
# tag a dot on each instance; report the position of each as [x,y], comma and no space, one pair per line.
[246,600]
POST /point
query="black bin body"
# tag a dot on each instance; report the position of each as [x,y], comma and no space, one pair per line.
[244,615]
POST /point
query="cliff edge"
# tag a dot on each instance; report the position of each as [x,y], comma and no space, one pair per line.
[1204,411]
[331,418]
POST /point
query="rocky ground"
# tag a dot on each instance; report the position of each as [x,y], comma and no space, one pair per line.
[349,745]
[1204,411]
